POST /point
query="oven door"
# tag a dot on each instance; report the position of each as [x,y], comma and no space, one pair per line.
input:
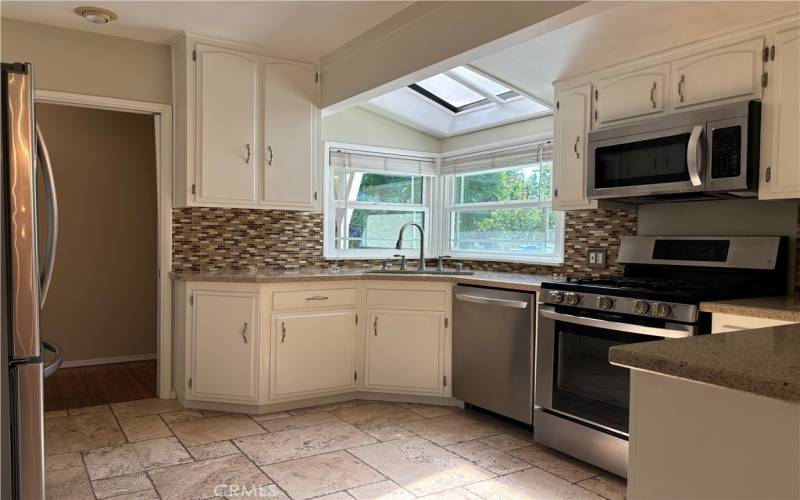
[669,161]
[573,376]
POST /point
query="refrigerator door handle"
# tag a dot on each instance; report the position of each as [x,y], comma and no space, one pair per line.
[51,367]
[52,208]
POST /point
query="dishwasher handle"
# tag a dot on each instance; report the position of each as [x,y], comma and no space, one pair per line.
[478,299]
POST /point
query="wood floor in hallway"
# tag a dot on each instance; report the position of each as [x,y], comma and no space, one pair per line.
[101,384]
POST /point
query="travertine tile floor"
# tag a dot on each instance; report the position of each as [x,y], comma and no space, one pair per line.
[351,450]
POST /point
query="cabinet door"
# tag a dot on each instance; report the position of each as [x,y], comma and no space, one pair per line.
[313,352]
[226,84]
[405,351]
[224,346]
[721,323]
[571,128]
[725,74]
[780,173]
[290,122]
[633,95]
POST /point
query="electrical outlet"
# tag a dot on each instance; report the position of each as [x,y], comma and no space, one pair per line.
[597,258]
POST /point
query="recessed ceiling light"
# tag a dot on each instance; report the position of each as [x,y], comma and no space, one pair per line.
[96,15]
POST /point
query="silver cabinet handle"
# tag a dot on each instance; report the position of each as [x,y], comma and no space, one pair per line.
[270,155]
[52,208]
[680,87]
[375,326]
[244,333]
[694,155]
[283,332]
[477,299]
[575,147]
[249,153]
[317,297]
[653,95]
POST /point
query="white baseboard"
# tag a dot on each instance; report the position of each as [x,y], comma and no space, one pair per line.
[108,361]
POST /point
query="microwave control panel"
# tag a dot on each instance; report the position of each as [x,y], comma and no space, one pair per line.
[726,148]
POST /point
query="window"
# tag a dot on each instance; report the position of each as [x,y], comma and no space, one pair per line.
[457,101]
[372,195]
[498,206]
[493,205]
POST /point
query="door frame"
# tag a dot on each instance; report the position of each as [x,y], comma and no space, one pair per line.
[162,114]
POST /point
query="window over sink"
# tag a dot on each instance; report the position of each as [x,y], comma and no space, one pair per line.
[487,205]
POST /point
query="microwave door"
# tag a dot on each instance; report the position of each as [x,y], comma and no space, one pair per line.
[666,161]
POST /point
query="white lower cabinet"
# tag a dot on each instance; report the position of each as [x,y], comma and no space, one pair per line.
[224,346]
[405,351]
[721,323]
[312,353]
[240,345]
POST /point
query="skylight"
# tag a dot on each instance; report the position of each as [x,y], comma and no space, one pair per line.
[481,81]
[457,101]
[450,91]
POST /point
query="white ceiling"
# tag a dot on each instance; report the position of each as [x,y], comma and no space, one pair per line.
[620,34]
[304,29]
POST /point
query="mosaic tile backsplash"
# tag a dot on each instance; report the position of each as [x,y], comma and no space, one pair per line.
[213,239]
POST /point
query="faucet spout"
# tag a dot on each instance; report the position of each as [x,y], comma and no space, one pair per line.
[399,245]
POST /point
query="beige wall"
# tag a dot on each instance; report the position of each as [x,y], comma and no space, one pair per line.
[518,130]
[102,301]
[86,63]
[360,126]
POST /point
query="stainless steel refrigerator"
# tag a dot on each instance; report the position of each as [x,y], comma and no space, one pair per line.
[26,274]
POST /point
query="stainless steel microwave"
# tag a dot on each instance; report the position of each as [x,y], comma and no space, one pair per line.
[710,153]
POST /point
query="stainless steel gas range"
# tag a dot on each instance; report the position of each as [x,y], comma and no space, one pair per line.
[581,400]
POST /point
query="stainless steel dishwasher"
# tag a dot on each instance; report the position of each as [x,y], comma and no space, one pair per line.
[493,339]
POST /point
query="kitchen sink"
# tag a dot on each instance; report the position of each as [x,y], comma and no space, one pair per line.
[444,272]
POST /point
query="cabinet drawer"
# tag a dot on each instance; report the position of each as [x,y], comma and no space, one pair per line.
[407,299]
[721,323]
[304,299]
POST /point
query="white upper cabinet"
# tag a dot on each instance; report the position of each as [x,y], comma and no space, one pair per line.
[313,353]
[638,94]
[290,119]
[569,165]
[226,100]
[247,128]
[725,74]
[780,164]
[224,346]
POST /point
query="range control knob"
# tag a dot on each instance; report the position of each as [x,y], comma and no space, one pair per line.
[641,307]
[572,298]
[605,302]
[662,310]
[556,297]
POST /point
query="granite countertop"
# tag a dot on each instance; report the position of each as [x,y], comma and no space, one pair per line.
[781,308]
[763,361]
[524,282]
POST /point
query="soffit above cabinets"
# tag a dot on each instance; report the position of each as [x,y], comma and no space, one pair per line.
[303,29]
[621,34]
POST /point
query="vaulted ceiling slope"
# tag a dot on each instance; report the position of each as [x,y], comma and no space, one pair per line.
[303,29]
[621,34]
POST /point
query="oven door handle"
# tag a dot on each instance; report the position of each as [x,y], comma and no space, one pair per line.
[622,327]
[694,155]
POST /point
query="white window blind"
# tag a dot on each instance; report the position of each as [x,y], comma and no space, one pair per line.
[374,162]
[526,154]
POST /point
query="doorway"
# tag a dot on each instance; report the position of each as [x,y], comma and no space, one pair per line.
[102,308]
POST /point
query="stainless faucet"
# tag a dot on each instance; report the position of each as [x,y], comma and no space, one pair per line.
[399,246]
